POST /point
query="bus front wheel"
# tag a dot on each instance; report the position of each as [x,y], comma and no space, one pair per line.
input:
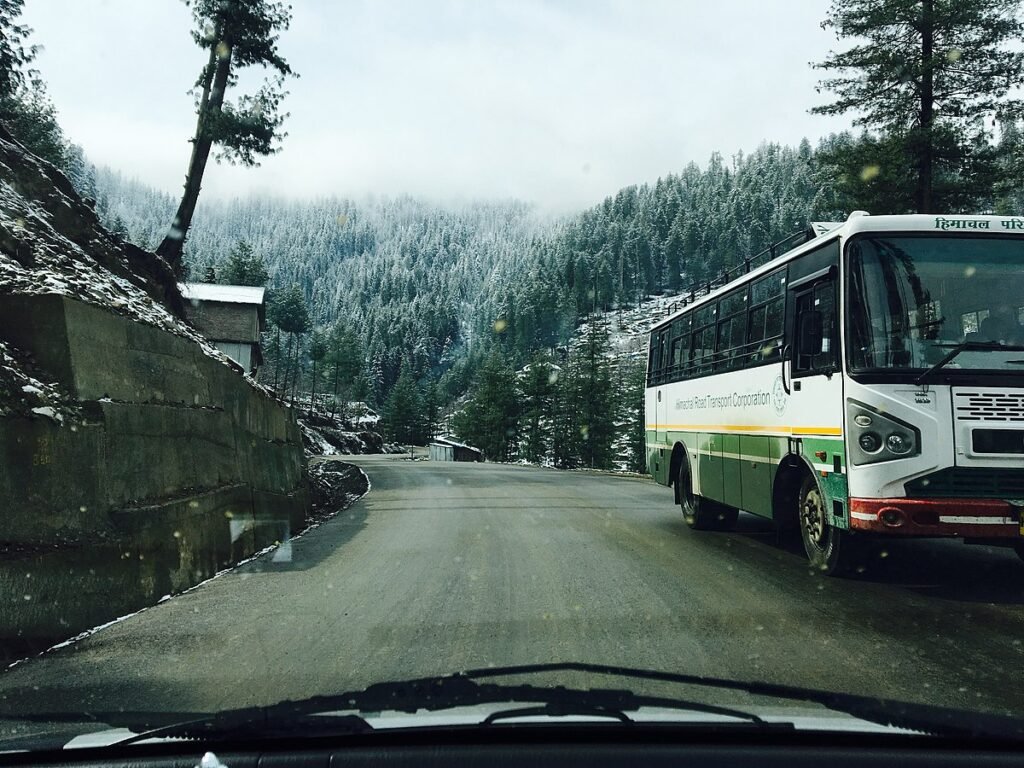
[702,514]
[829,549]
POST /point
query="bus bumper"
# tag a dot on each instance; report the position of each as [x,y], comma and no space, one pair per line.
[966,518]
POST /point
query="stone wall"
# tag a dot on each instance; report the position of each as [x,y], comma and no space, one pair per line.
[176,468]
[221,321]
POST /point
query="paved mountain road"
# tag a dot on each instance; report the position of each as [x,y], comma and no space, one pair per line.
[444,567]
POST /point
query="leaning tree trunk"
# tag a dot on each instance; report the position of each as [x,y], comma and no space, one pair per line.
[215,81]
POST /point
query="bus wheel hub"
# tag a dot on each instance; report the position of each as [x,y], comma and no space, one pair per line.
[813,512]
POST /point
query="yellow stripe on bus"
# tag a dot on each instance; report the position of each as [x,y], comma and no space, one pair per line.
[837,431]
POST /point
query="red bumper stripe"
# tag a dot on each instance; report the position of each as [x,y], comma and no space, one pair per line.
[972,518]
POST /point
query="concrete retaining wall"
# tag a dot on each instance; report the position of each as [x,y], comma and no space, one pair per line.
[178,468]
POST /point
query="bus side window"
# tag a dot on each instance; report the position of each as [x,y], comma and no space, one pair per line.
[702,349]
[767,317]
[680,348]
[675,358]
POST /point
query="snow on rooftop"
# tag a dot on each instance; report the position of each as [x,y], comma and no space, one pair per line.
[228,294]
[450,441]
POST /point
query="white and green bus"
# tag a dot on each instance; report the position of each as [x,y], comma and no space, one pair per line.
[867,382]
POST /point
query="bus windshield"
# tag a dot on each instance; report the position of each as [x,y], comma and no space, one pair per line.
[912,299]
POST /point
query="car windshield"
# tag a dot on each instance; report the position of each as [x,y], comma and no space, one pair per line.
[912,299]
[575,360]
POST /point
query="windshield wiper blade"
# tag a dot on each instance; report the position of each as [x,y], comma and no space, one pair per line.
[967,346]
[462,689]
[326,715]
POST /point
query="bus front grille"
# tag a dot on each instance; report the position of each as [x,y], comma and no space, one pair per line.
[967,483]
[989,406]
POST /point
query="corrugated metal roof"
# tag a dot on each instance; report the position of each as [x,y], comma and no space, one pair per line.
[228,294]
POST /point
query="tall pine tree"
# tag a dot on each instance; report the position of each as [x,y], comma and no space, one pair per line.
[925,73]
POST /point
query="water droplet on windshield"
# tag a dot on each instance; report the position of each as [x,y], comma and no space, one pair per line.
[869,172]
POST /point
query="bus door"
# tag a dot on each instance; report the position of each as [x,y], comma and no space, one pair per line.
[814,410]
[812,406]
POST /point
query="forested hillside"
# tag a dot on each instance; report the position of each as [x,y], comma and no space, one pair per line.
[657,238]
[413,275]
[413,281]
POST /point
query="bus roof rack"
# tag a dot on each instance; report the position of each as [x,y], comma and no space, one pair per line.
[697,290]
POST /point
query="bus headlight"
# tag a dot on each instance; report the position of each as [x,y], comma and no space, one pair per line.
[867,425]
[869,442]
[899,443]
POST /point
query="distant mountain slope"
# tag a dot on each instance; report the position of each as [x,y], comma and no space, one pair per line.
[437,286]
[409,276]
[655,239]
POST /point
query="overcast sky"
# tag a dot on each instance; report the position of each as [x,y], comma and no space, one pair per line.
[560,103]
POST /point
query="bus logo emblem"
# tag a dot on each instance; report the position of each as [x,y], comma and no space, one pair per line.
[779,397]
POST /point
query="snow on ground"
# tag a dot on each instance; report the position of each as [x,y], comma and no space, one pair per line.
[628,328]
[315,443]
[323,436]
[361,415]
[21,392]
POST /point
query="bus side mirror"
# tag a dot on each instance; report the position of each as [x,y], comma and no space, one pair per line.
[810,333]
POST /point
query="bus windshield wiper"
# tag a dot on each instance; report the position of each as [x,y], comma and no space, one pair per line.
[968,346]
[332,715]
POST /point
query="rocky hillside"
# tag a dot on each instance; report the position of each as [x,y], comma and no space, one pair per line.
[52,242]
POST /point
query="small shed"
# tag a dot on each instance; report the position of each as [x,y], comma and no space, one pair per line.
[446,449]
[230,316]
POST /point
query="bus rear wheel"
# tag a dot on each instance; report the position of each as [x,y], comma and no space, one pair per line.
[828,549]
[702,514]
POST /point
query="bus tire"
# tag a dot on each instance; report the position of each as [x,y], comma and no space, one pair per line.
[828,549]
[701,514]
